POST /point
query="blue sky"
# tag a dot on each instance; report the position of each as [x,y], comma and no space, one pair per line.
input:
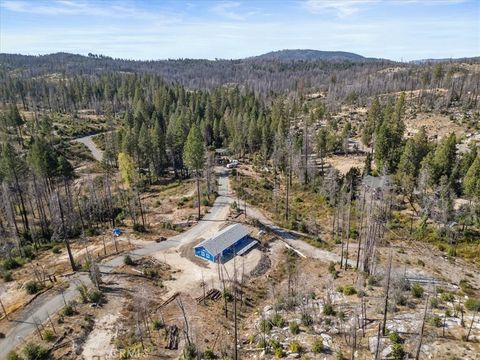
[393,29]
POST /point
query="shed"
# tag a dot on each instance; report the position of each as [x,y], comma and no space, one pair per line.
[228,242]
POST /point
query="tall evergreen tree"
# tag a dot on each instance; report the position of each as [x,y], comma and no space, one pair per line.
[194,156]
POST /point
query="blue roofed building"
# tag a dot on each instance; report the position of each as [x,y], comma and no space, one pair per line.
[223,246]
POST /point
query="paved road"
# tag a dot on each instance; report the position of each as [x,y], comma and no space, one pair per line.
[24,321]
[88,142]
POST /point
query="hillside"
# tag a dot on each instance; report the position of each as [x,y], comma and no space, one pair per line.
[341,80]
[310,55]
[359,181]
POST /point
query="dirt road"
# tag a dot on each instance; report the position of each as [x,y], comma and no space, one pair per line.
[23,322]
[292,240]
[90,144]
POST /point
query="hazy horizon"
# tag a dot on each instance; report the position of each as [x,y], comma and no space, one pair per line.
[143,30]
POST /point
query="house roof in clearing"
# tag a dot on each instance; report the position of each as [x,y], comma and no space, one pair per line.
[224,239]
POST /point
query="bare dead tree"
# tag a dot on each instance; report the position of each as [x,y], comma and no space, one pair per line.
[471,325]
[419,347]
[186,330]
[349,216]
[387,289]
[379,333]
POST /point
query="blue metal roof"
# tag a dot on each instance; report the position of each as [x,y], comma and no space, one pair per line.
[224,239]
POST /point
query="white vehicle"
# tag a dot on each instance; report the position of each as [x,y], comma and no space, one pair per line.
[232,164]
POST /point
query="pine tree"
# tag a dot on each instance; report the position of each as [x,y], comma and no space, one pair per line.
[194,156]
[444,158]
[471,182]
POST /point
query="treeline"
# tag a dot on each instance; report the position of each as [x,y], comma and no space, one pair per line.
[352,81]
[431,174]
[149,122]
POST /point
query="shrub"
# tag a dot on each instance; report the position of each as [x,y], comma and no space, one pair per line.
[95,296]
[127,260]
[317,346]
[57,249]
[361,293]
[190,352]
[278,321]
[6,276]
[157,325]
[306,319]
[400,300]
[32,287]
[328,310]
[472,304]
[139,228]
[12,355]
[227,296]
[397,351]
[83,290]
[265,326]
[208,354]
[452,251]
[34,351]
[48,335]
[465,286]
[435,320]
[434,303]
[416,290]
[294,346]
[28,252]
[332,270]
[279,353]
[394,338]
[372,280]
[10,263]
[68,310]
[349,290]
[262,343]
[150,272]
[294,327]
[275,344]
[447,297]
[339,355]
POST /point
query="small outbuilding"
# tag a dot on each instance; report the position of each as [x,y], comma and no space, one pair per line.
[228,242]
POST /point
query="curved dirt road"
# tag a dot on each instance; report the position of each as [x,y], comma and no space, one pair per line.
[90,144]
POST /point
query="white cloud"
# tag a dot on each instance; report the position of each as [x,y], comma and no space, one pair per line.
[227,10]
[344,8]
[77,8]
[341,7]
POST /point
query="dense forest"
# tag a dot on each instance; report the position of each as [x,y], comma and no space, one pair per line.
[341,80]
[149,109]
[293,124]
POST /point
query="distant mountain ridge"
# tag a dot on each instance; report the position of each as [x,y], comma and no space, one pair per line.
[310,55]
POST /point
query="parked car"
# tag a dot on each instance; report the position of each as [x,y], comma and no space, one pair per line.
[232,164]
